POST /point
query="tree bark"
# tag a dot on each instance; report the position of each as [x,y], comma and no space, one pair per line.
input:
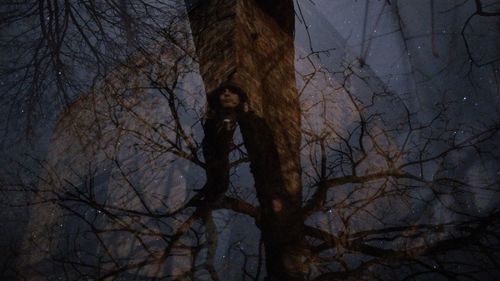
[249,43]
[280,221]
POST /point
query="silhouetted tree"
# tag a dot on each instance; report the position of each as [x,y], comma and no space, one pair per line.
[144,181]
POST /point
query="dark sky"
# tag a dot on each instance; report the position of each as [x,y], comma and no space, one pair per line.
[417,49]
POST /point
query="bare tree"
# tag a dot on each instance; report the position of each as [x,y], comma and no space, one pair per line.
[145,179]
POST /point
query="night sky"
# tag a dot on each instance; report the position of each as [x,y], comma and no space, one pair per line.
[429,66]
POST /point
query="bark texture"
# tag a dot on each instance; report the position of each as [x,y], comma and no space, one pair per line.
[249,43]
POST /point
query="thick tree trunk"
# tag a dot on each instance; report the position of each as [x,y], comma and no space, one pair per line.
[249,43]
[280,211]
[280,223]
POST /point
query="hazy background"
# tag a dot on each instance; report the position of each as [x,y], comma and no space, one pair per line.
[415,48]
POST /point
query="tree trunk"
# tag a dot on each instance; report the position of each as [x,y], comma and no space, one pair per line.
[249,44]
[280,220]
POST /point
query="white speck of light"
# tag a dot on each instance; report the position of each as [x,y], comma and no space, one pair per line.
[465,98]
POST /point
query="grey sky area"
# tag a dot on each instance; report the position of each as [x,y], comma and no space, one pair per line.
[421,76]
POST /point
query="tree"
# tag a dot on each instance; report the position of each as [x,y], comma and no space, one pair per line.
[384,191]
